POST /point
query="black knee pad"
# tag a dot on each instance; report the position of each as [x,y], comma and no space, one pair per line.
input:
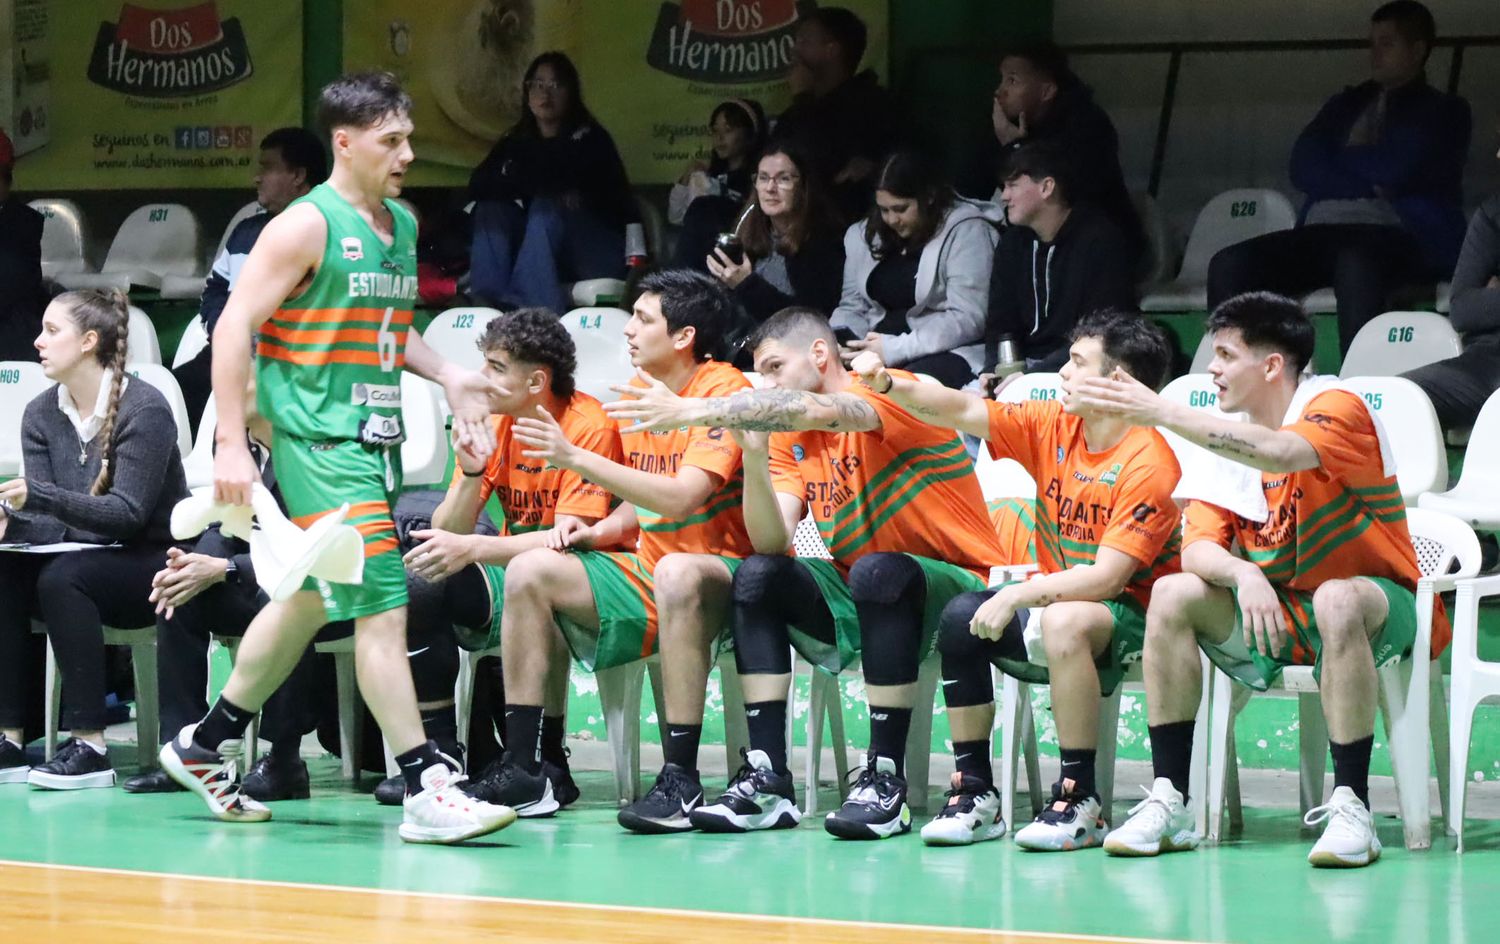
[954,638]
[760,577]
[884,578]
[762,644]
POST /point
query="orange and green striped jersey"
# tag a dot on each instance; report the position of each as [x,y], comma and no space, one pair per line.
[718,525]
[330,359]
[533,493]
[1119,498]
[1343,519]
[1014,520]
[906,487]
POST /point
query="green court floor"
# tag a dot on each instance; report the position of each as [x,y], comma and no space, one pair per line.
[1258,888]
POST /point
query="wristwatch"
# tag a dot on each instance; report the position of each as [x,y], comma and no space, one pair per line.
[231,571]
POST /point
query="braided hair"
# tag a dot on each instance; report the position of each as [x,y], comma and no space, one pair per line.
[107,314]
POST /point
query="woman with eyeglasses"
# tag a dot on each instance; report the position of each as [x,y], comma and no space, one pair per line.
[793,252]
[551,201]
[917,273]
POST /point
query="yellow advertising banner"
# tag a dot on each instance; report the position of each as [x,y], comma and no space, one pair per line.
[652,70]
[162,93]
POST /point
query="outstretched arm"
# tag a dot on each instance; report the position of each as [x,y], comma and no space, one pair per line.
[657,407]
[934,403]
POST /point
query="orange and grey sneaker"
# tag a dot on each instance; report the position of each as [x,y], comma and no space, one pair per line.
[213,775]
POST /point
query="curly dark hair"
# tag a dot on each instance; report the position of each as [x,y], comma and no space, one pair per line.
[534,336]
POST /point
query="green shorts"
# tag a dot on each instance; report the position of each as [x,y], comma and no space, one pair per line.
[944,582]
[1248,667]
[1125,645]
[625,601]
[315,478]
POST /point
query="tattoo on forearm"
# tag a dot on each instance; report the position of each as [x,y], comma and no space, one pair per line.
[1231,444]
[785,410]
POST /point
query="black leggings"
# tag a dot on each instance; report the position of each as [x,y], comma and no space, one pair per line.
[75,594]
[967,658]
[773,592]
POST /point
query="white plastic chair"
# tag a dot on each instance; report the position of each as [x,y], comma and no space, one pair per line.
[1473,681]
[20,383]
[1476,497]
[1416,722]
[1203,356]
[159,377]
[455,334]
[188,287]
[351,744]
[142,346]
[1160,259]
[424,453]
[64,236]
[198,463]
[603,359]
[1231,217]
[1038,386]
[194,339]
[156,240]
[1197,391]
[1398,341]
[1415,436]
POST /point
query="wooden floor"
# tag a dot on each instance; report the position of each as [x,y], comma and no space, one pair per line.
[109,906]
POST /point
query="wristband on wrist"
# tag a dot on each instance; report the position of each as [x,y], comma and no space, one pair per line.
[890,382]
[473,475]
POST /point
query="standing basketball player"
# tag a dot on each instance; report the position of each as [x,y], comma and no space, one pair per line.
[330,287]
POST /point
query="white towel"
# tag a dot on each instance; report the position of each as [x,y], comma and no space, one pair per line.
[1210,477]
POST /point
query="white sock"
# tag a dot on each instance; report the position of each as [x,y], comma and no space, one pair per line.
[98,748]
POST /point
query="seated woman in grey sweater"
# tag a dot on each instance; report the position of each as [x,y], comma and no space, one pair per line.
[917,274]
[101,467]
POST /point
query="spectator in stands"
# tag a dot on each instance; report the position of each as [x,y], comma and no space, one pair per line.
[841,115]
[102,468]
[1040,99]
[551,199]
[705,201]
[917,274]
[22,299]
[292,162]
[212,591]
[793,242]
[1056,261]
[1459,386]
[1382,167]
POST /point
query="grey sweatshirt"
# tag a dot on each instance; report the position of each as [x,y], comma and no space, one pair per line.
[148,478]
[1475,308]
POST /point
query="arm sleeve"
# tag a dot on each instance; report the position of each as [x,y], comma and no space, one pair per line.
[855,310]
[1144,515]
[1003,311]
[1205,522]
[1475,306]
[966,297]
[580,497]
[28,525]
[1317,165]
[1013,430]
[1338,426]
[145,443]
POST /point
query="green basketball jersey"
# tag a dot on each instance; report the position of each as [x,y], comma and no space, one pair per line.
[330,359]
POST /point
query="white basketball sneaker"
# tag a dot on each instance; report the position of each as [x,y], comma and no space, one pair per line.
[442,813]
[1070,822]
[1160,823]
[1349,840]
[972,814]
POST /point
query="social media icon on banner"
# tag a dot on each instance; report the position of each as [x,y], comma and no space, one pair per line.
[203,137]
[223,137]
[183,138]
[243,136]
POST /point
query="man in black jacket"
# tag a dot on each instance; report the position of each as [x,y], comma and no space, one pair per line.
[840,115]
[1057,261]
[21,300]
[1040,100]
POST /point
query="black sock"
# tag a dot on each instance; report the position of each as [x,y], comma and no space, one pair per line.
[767,722]
[554,748]
[441,726]
[416,760]
[1078,766]
[1172,753]
[523,735]
[888,729]
[972,758]
[1351,766]
[225,721]
[287,751]
[681,747]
